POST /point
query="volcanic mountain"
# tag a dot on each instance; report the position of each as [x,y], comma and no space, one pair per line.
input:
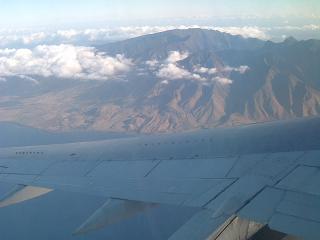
[178,80]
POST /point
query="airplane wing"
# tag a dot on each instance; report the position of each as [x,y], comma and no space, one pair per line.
[278,189]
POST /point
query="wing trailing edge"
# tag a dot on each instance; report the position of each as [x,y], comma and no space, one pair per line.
[200,226]
[204,225]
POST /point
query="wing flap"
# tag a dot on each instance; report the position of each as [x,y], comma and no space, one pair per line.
[300,205]
[237,195]
[200,226]
[303,179]
[111,212]
[306,229]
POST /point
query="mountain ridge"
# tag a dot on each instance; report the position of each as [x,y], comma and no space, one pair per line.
[194,39]
[179,86]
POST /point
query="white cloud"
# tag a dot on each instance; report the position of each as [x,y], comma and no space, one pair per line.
[226,69]
[312,27]
[200,69]
[246,31]
[68,34]
[176,56]
[87,36]
[62,61]
[170,69]
[91,36]
[97,35]
[204,70]
[152,63]
[222,80]
[165,82]
[34,37]
[242,69]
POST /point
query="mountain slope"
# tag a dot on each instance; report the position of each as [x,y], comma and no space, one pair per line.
[180,80]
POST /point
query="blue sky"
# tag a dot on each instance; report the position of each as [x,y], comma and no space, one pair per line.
[54,12]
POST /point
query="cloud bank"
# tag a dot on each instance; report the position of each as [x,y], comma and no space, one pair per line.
[62,61]
[27,38]
[91,36]
[67,61]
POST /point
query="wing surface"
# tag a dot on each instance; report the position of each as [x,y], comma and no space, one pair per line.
[279,189]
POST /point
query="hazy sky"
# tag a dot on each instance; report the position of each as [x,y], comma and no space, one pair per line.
[56,12]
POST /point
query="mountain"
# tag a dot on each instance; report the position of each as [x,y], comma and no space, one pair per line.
[179,80]
[192,40]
